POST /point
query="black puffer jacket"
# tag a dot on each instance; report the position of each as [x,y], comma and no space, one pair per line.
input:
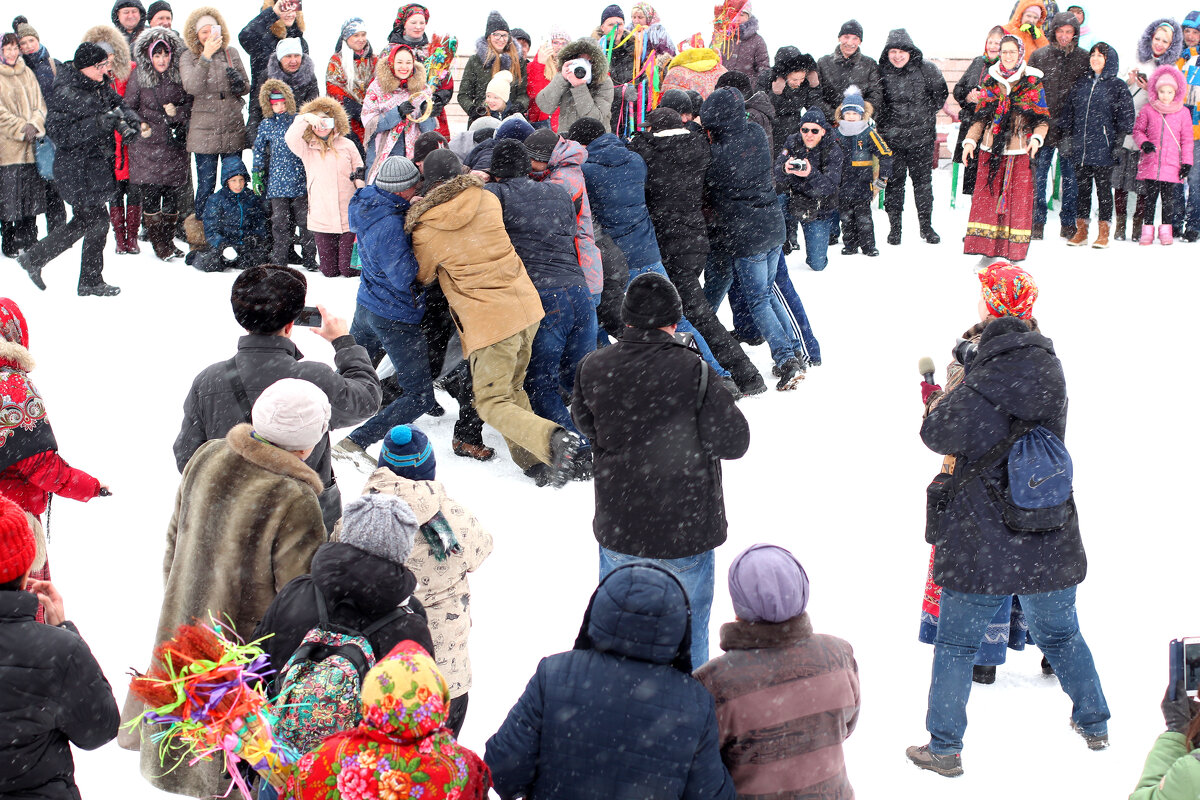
[84,161]
[676,163]
[838,73]
[790,104]
[657,461]
[52,695]
[815,196]
[1062,68]
[1015,376]
[912,96]
[739,188]
[540,220]
[359,589]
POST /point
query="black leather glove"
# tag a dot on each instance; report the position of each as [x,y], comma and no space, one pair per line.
[1147,147]
[359,174]
[109,119]
[405,108]
[237,85]
[1184,170]
[1178,713]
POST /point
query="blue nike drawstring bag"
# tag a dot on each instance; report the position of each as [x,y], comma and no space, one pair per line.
[1039,470]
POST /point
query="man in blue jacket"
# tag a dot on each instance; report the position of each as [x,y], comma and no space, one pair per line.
[620,716]
[390,306]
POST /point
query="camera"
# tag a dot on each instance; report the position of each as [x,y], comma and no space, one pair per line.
[964,351]
[581,68]
[1185,665]
[798,163]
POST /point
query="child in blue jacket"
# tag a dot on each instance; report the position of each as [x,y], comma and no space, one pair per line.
[235,224]
[281,173]
[861,142]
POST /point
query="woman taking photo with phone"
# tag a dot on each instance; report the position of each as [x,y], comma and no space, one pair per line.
[1172,770]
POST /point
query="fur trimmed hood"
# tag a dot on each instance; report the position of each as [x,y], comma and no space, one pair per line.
[279,29]
[330,108]
[301,77]
[388,82]
[264,97]
[1144,53]
[190,36]
[147,75]
[514,54]
[107,34]
[583,47]
[442,194]
[271,458]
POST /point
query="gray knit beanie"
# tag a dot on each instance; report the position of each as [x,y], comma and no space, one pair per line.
[397,174]
[380,524]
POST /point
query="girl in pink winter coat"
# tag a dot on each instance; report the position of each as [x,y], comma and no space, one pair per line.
[1163,131]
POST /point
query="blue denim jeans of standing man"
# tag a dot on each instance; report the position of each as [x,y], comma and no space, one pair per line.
[1055,629]
[756,276]
[1189,213]
[696,573]
[206,178]
[816,242]
[684,326]
[405,345]
[566,334]
[1068,193]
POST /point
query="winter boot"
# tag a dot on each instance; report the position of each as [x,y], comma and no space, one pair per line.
[893,237]
[160,235]
[1039,230]
[1101,238]
[116,215]
[1068,231]
[1190,235]
[1135,223]
[949,765]
[1166,234]
[1119,233]
[479,452]
[564,449]
[791,372]
[133,221]
[1081,234]
[100,289]
[170,222]
[929,234]
[1095,741]
[1147,235]
[8,239]
[34,268]
[983,675]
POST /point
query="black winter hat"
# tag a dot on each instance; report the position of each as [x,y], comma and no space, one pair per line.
[441,166]
[677,99]
[521,35]
[651,302]
[89,54]
[541,143]
[664,119]
[736,80]
[611,11]
[426,143]
[697,101]
[495,22]
[852,27]
[157,6]
[267,297]
[509,160]
[789,59]
[586,130]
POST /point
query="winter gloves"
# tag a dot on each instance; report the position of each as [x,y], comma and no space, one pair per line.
[1178,713]
[256,182]
[927,389]
[1147,147]
[237,85]
[1184,171]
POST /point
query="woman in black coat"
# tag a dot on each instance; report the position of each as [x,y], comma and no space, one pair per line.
[279,19]
[967,93]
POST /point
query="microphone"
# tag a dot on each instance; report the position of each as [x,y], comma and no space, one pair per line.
[925,365]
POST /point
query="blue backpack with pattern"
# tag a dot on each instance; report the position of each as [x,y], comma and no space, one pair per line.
[322,681]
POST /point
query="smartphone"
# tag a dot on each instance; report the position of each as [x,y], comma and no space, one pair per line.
[216,30]
[1185,665]
[310,317]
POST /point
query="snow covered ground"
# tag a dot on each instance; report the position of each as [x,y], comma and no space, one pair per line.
[835,471]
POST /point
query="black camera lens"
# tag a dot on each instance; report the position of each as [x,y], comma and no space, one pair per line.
[580,73]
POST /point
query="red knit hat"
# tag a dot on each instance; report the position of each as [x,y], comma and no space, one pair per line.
[17,547]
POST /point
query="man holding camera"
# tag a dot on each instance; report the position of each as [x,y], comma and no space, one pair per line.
[582,88]
[84,111]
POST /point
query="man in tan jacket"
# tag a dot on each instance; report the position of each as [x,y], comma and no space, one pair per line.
[246,522]
[458,236]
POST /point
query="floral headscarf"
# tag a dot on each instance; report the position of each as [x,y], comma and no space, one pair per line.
[401,749]
[1008,290]
[647,11]
[1008,73]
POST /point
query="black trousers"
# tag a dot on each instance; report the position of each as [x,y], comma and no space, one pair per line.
[287,214]
[1085,175]
[56,209]
[89,223]
[858,229]
[458,713]
[684,270]
[915,163]
[154,198]
[1154,190]
[438,327]
[616,277]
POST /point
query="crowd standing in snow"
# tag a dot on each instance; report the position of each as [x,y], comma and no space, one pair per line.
[620,184]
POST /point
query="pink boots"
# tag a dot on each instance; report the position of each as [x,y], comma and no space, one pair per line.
[1147,235]
[1166,234]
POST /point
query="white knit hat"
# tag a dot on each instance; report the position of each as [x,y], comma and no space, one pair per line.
[289,47]
[501,85]
[292,414]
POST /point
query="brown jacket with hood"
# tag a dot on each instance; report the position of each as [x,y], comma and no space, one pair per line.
[217,124]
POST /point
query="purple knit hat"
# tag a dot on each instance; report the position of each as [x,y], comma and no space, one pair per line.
[767,584]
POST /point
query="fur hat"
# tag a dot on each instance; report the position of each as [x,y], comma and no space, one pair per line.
[676,99]
[501,85]
[267,297]
[767,584]
[495,22]
[406,451]
[397,174]
[18,548]
[651,301]
[380,524]
[586,130]
[292,414]
[509,160]
[541,143]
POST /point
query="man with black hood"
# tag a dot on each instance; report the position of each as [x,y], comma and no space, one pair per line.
[792,86]
[759,108]
[1062,64]
[914,90]
[679,101]
[129,17]
[847,66]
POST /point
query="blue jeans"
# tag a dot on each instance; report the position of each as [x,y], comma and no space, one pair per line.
[684,326]
[405,345]
[1068,193]
[206,178]
[696,573]
[756,277]
[1055,629]
[816,242]
[743,322]
[566,334]
[1189,212]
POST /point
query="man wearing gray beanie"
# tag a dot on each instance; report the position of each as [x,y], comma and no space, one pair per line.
[793,693]
[388,314]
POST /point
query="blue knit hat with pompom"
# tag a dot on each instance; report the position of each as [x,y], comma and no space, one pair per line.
[407,452]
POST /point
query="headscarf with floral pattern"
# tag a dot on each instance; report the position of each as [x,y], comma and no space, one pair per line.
[1008,290]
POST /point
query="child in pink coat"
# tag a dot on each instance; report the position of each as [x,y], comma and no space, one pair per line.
[1163,131]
